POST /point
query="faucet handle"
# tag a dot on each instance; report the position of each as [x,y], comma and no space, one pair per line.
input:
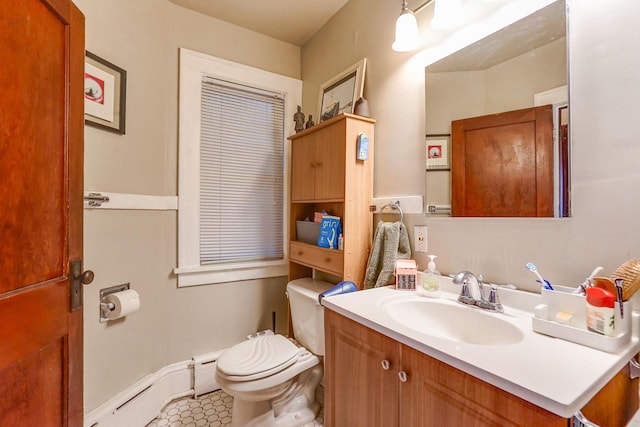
[494,300]
[465,295]
[493,294]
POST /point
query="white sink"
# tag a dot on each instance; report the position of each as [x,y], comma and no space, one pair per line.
[453,322]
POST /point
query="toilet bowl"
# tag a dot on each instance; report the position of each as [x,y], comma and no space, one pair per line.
[273,379]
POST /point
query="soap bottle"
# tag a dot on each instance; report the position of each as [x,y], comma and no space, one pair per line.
[431,279]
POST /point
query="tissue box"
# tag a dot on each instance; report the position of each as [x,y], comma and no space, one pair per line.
[307,232]
[330,229]
[406,274]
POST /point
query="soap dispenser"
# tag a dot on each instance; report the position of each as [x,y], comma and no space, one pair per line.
[431,279]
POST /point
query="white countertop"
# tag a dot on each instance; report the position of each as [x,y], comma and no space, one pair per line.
[557,375]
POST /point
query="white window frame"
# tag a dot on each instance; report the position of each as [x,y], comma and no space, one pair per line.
[193,66]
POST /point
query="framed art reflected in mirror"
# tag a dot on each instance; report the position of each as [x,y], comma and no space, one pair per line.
[438,149]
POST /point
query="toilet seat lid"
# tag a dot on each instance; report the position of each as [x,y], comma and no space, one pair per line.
[257,358]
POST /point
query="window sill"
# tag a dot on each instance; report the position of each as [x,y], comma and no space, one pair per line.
[211,274]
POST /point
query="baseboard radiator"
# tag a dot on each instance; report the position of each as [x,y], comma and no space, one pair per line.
[140,403]
[204,373]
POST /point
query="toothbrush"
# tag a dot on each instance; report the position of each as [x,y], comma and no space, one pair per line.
[532,267]
[588,282]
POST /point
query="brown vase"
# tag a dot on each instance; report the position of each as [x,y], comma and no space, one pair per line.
[362,108]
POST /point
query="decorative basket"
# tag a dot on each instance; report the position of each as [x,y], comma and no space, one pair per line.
[630,273]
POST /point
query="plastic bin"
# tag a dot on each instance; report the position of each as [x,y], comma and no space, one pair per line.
[307,232]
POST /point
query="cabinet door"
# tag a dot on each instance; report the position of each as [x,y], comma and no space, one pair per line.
[330,162]
[359,391]
[437,394]
[303,154]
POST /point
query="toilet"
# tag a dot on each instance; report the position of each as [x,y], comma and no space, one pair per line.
[273,379]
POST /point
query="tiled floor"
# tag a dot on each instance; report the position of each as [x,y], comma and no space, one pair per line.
[210,410]
[214,410]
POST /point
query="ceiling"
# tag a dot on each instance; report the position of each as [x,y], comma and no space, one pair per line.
[536,30]
[297,21]
[292,21]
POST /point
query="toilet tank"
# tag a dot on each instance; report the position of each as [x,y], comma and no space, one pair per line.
[307,315]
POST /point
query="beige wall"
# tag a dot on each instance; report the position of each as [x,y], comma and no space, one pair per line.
[504,87]
[173,324]
[143,37]
[604,126]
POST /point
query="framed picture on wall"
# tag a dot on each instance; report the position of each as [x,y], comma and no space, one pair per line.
[105,89]
[438,147]
[339,94]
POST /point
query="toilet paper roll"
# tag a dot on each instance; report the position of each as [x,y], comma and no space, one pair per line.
[125,302]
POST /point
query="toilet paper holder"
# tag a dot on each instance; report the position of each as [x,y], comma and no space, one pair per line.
[105,306]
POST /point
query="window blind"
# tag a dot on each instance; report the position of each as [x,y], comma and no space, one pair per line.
[241,173]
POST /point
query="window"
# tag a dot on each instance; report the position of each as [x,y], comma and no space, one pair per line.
[232,169]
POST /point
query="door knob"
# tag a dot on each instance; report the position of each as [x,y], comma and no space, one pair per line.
[385,364]
[403,376]
[87,277]
[77,279]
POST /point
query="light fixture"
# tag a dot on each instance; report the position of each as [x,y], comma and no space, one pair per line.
[447,14]
[407,34]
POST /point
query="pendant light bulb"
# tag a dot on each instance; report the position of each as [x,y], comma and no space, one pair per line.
[447,14]
[407,34]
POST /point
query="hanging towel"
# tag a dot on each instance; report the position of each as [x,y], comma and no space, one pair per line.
[391,242]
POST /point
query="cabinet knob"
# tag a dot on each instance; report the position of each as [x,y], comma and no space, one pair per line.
[403,376]
[385,364]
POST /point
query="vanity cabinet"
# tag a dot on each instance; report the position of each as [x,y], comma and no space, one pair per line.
[326,175]
[373,380]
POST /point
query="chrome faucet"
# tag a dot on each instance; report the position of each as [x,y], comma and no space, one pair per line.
[472,292]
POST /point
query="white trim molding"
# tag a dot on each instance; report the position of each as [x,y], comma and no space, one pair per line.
[408,204]
[143,401]
[105,200]
[193,67]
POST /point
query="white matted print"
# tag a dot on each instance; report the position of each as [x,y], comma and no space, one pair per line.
[438,152]
[105,86]
[98,93]
[339,94]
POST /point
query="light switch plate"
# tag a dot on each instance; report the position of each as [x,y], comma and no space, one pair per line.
[420,238]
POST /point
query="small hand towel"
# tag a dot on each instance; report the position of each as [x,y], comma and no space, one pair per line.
[391,242]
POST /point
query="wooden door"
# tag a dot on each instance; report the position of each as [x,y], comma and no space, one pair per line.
[359,391]
[41,167]
[564,163]
[502,164]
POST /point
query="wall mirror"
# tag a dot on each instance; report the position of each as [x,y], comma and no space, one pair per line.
[481,171]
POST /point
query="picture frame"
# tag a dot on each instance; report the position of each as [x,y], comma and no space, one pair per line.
[105,91]
[438,147]
[339,94]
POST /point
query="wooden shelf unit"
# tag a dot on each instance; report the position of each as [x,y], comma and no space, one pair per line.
[325,174]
